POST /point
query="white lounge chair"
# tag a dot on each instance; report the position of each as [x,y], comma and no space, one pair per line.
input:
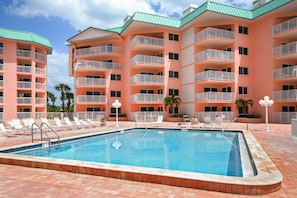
[29,124]
[5,131]
[194,121]
[93,123]
[207,121]
[60,125]
[70,125]
[48,124]
[219,121]
[159,120]
[17,125]
[80,123]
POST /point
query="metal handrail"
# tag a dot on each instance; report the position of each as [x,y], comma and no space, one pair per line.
[51,129]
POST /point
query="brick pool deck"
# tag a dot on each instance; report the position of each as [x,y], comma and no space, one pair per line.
[18,181]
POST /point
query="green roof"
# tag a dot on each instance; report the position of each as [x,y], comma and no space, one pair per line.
[208,6]
[25,36]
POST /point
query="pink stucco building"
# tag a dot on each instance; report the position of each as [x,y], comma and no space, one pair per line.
[210,57]
[23,59]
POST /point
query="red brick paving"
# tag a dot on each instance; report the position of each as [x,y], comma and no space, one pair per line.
[17,181]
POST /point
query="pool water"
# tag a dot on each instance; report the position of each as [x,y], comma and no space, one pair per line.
[194,151]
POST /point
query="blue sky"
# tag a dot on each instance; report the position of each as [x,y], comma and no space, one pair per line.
[60,20]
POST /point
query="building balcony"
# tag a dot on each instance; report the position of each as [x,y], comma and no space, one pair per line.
[147,43]
[40,86]
[24,100]
[145,115]
[40,101]
[24,69]
[91,99]
[215,97]
[103,50]
[1,50]
[1,99]
[228,115]
[1,83]
[145,61]
[216,76]
[145,79]
[214,37]
[214,57]
[24,85]
[23,115]
[90,82]
[24,53]
[283,117]
[96,65]
[285,95]
[286,51]
[1,67]
[285,73]
[40,57]
[147,98]
[40,71]
[286,29]
[94,115]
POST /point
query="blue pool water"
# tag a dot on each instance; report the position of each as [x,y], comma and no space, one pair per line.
[192,150]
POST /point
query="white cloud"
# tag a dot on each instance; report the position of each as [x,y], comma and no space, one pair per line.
[57,72]
[103,13]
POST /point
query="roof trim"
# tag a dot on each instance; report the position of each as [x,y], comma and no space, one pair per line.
[25,36]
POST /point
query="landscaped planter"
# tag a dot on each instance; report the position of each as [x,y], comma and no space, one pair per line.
[249,120]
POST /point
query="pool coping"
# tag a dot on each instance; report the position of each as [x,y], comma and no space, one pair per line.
[267,180]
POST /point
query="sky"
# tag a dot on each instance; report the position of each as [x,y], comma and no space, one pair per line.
[59,20]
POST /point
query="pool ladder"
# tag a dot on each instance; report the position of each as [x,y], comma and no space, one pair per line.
[41,127]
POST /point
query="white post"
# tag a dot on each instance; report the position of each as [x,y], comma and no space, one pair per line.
[116,104]
[267,103]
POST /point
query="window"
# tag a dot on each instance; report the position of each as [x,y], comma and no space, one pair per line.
[144,91]
[116,77]
[243,50]
[113,110]
[147,109]
[115,94]
[174,110]
[243,30]
[226,89]
[173,37]
[1,61]
[288,109]
[92,93]
[93,109]
[160,109]
[226,108]
[243,70]
[173,56]
[173,74]
[243,90]
[173,92]
[210,109]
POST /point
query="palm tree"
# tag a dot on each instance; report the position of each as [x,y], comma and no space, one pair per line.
[69,97]
[171,101]
[51,97]
[244,104]
[63,88]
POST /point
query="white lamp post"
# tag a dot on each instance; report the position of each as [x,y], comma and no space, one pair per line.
[116,104]
[267,103]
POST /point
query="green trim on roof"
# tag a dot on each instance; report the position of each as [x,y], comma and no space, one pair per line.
[25,36]
[269,6]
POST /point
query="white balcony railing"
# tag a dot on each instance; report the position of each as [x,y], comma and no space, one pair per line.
[40,85]
[215,97]
[40,71]
[22,115]
[211,32]
[1,67]
[283,117]
[215,55]
[90,82]
[1,83]
[285,26]
[285,72]
[1,100]
[96,65]
[39,56]
[98,50]
[145,115]
[227,115]
[215,75]
[147,98]
[24,69]
[147,79]
[24,53]
[91,99]
[94,115]
[285,49]
[23,84]
[145,40]
[1,50]
[285,95]
[145,59]
[40,101]
[24,100]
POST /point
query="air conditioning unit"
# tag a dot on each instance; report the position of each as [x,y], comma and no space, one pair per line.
[189,9]
[258,3]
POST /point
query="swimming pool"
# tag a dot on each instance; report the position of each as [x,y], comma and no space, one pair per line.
[257,175]
[193,151]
